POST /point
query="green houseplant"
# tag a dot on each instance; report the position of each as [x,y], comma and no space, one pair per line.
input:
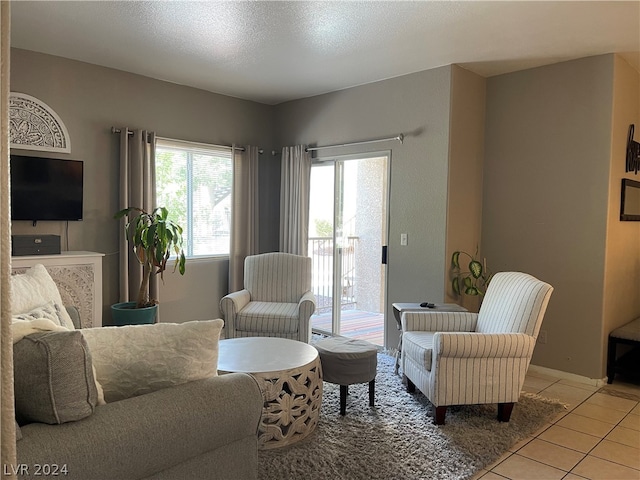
[473,281]
[153,238]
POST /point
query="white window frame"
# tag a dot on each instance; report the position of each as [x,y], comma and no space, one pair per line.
[193,148]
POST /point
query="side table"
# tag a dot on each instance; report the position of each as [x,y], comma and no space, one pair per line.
[290,376]
[400,308]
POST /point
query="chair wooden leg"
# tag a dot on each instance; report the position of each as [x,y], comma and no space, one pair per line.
[440,414]
[343,399]
[504,411]
[372,390]
[411,387]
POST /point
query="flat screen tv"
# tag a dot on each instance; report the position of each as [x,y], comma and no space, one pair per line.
[46,188]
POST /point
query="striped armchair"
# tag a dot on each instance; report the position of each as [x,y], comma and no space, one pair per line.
[276,300]
[462,358]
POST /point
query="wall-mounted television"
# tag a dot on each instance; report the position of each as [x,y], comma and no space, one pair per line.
[46,188]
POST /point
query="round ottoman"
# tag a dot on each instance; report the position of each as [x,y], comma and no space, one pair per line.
[346,361]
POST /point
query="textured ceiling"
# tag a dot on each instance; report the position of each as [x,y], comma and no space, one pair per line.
[272,52]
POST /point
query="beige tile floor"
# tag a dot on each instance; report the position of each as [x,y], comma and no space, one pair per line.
[597,437]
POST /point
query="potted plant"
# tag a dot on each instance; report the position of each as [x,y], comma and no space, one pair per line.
[154,238]
[473,281]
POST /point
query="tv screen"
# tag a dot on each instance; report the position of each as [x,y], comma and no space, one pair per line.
[46,188]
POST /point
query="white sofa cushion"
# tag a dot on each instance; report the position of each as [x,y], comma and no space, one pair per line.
[34,289]
[268,317]
[137,359]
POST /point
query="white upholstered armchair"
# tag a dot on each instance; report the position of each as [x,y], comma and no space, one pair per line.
[276,300]
[458,358]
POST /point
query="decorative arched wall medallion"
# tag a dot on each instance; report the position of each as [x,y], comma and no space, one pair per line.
[34,125]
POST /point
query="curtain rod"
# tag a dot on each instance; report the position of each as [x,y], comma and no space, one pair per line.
[242,149]
[399,137]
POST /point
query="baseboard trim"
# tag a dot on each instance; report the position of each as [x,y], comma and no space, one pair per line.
[594,382]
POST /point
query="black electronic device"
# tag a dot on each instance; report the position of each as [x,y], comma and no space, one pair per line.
[35,245]
[428,305]
[46,188]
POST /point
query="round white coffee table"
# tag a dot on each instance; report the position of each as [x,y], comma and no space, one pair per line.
[290,376]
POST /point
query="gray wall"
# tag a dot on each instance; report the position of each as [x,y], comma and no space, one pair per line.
[546,197]
[418,106]
[542,171]
[90,99]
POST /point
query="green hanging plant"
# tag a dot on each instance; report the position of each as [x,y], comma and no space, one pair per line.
[472,282]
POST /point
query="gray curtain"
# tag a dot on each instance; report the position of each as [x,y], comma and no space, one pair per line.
[294,200]
[245,213]
[137,189]
[7,414]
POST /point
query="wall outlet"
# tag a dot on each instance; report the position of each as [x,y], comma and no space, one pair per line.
[542,337]
[404,239]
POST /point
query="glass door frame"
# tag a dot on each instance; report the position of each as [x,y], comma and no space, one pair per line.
[337,160]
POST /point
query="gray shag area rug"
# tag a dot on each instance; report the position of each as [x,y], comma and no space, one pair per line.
[396,439]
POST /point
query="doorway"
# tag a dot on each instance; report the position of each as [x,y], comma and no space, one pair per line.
[347,233]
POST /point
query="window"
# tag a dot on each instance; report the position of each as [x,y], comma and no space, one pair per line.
[193,181]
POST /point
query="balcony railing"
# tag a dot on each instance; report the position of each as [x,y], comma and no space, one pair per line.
[321,251]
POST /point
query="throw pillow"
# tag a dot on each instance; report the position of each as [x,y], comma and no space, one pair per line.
[41,319]
[49,311]
[33,322]
[53,378]
[35,288]
[137,359]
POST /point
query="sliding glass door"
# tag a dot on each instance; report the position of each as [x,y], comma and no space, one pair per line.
[347,232]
